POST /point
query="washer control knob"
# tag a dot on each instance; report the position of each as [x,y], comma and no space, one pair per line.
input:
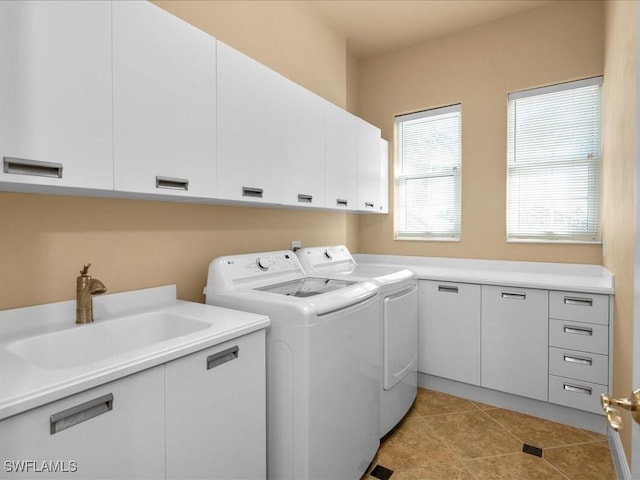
[328,254]
[262,265]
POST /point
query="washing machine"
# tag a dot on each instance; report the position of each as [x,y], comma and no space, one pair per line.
[323,362]
[399,312]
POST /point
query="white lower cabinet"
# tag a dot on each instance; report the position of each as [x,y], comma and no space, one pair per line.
[449,330]
[112,431]
[578,349]
[216,411]
[515,341]
[200,416]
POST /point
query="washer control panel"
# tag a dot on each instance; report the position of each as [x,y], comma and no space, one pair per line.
[255,265]
[318,257]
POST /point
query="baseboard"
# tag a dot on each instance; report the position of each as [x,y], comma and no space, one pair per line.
[549,411]
[619,458]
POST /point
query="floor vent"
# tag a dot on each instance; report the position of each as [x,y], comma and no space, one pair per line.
[381,472]
[531,450]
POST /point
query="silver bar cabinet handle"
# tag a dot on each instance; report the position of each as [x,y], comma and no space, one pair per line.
[579,360]
[37,168]
[172,183]
[576,389]
[447,289]
[302,198]
[514,295]
[80,413]
[578,330]
[341,202]
[584,302]
[252,192]
[224,356]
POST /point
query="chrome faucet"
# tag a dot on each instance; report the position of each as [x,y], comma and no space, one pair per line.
[86,287]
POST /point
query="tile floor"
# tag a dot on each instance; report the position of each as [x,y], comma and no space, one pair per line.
[450,438]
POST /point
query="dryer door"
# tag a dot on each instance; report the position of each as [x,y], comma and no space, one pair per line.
[400,335]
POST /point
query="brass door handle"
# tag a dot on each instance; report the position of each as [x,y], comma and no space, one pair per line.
[610,404]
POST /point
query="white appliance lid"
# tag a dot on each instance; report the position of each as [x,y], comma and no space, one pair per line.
[306,287]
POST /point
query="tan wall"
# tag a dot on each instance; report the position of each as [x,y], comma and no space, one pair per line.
[619,123]
[478,67]
[137,244]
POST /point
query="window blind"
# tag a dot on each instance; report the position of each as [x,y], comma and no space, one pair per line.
[428,160]
[553,186]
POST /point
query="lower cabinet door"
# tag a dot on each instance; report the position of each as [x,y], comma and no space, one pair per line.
[449,330]
[216,412]
[515,340]
[114,431]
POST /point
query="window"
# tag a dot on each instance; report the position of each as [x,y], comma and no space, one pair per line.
[553,186]
[428,160]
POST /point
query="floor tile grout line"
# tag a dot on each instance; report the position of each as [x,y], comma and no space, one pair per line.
[505,429]
[556,468]
[574,444]
[543,448]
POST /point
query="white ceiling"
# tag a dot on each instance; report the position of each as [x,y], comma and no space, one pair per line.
[377,26]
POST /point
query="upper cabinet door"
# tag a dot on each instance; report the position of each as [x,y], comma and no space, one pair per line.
[340,158]
[303,167]
[164,75]
[55,119]
[368,158]
[250,129]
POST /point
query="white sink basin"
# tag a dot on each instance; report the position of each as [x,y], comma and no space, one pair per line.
[94,342]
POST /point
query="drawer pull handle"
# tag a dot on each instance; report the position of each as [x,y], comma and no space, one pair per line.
[368,204]
[578,330]
[80,413]
[341,202]
[171,183]
[447,289]
[580,360]
[35,168]
[583,302]
[302,198]
[252,192]
[514,295]
[224,356]
[576,389]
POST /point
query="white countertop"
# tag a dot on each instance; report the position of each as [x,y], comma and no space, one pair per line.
[548,276]
[24,385]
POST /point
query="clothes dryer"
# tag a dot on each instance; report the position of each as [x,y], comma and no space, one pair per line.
[399,312]
[323,362]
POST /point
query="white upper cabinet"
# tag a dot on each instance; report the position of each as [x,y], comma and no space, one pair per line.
[340,158]
[368,161]
[250,128]
[164,75]
[303,161]
[55,119]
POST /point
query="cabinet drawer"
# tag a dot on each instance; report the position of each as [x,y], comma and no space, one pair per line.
[576,393]
[579,307]
[585,337]
[589,367]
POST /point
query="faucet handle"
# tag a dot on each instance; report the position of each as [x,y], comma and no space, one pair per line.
[85,270]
